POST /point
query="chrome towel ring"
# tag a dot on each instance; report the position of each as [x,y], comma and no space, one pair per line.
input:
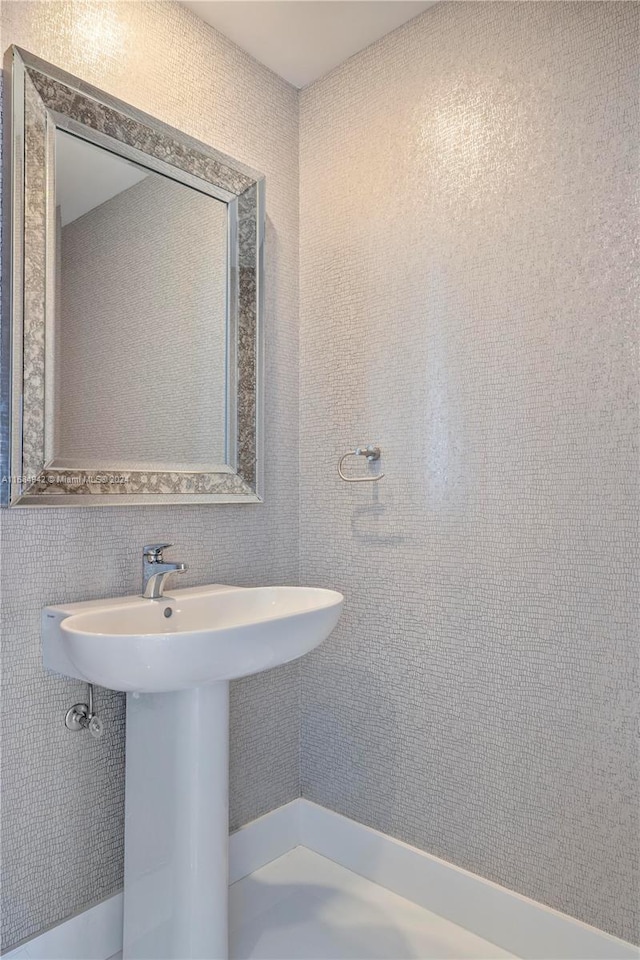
[371,453]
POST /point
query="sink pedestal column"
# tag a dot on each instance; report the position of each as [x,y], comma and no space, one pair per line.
[177,825]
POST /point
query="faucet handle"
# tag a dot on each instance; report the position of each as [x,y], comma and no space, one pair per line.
[153,551]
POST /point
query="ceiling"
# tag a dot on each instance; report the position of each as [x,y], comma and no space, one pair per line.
[87,175]
[303,39]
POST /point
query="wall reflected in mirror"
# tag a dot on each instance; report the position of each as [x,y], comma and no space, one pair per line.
[137,374]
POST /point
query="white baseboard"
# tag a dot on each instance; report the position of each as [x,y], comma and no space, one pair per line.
[94,934]
[264,840]
[521,926]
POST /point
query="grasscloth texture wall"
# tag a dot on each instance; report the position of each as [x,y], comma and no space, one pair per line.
[467,301]
[62,793]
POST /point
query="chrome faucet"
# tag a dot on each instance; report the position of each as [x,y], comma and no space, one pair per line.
[155,571]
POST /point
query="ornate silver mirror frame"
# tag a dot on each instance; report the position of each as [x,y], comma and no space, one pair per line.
[43,98]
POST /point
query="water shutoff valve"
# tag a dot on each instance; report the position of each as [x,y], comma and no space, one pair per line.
[81,716]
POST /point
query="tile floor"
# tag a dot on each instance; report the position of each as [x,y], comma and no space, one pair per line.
[305,907]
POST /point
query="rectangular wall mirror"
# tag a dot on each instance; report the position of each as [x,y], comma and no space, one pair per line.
[134,280]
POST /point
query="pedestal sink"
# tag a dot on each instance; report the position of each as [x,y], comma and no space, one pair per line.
[174,657]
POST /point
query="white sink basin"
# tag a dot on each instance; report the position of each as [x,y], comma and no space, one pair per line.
[188,639]
[174,657]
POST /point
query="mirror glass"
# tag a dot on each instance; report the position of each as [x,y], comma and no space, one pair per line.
[138,346]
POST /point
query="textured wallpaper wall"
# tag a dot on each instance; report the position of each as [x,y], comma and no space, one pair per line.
[467,301]
[62,793]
